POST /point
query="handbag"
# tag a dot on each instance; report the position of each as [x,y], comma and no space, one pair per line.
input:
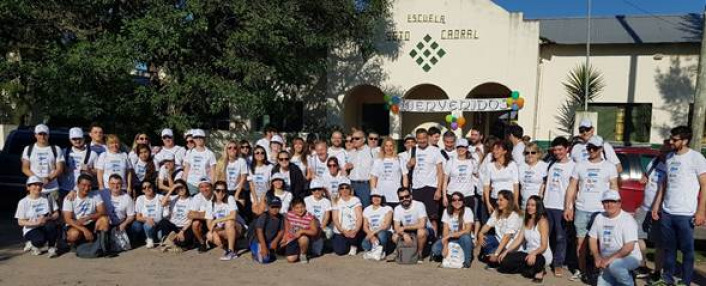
[407,254]
[94,249]
[119,240]
[454,259]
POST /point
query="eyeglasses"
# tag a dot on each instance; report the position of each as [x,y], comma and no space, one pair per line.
[584,129]
[405,197]
[344,187]
[166,137]
[373,138]
[531,152]
[283,159]
[332,165]
[232,148]
[356,138]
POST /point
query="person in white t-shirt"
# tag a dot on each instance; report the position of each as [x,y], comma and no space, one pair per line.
[500,174]
[613,243]
[264,142]
[388,173]
[178,226]
[38,216]
[200,204]
[150,209]
[448,152]
[145,167]
[78,159]
[332,178]
[377,220]
[532,173]
[168,173]
[119,206]
[359,164]
[113,161]
[222,221]
[427,176]
[554,197]
[259,180]
[337,146]
[506,222]
[85,214]
[461,177]
[199,162]
[232,168]
[458,227]
[319,206]
[579,153]
[44,161]
[277,190]
[409,143]
[681,204]
[169,147]
[347,221]
[276,146]
[409,221]
[317,162]
[97,138]
[514,135]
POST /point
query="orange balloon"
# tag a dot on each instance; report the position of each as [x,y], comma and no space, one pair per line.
[520,102]
[395,109]
[461,121]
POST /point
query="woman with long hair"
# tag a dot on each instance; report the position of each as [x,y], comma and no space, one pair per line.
[506,222]
[145,167]
[377,219]
[532,173]
[114,161]
[294,181]
[140,138]
[260,174]
[460,177]
[500,174]
[388,173]
[347,221]
[178,226]
[299,154]
[223,228]
[458,227]
[232,168]
[534,239]
[332,178]
[149,211]
[168,173]
[278,190]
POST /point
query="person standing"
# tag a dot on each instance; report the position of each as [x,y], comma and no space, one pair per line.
[199,162]
[514,135]
[232,169]
[337,147]
[361,161]
[294,181]
[169,146]
[681,204]
[373,142]
[434,136]
[79,159]
[44,161]
[388,173]
[449,150]
[97,140]
[579,153]
[533,173]
[264,142]
[427,176]
[500,174]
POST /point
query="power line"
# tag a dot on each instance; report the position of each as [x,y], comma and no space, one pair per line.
[650,13]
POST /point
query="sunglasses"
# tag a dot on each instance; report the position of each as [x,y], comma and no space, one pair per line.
[190,141]
[456,200]
[218,190]
[530,152]
[166,137]
[146,187]
[259,153]
[283,159]
[232,148]
[584,129]
[332,165]
[344,187]
[373,138]
[142,138]
[405,197]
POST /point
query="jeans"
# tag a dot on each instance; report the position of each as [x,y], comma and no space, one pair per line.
[383,237]
[316,247]
[466,243]
[677,233]
[362,191]
[140,230]
[491,244]
[618,272]
[342,244]
[557,236]
[48,233]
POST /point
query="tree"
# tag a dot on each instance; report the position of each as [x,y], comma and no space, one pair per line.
[202,58]
[575,87]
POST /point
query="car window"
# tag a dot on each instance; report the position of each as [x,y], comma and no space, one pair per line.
[625,162]
[645,160]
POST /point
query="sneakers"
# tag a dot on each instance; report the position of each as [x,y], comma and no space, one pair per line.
[149,243]
[203,248]
[303,258]
[28,246]
[228,256]
[52,252]
[354,251]
[577,276]
[35,251]
[642,272]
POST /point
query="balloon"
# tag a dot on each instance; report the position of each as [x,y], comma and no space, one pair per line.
[509,101]
[461,121]
[387,107]
[453,118]
[395,108]
[515,107]
[386,97]
[396,99]
[449,118]
[515,94]
[521,102]
[454,125]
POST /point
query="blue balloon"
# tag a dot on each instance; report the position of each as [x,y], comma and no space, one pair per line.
[396,99]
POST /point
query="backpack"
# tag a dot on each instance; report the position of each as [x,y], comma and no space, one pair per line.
[98,248]
[455,257]
[407,254]
[53,150]
[85,158]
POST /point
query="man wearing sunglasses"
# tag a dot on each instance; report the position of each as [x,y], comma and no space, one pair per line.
[681,204]
[589,180]
[361,162]
[44,161]
[580,154]
[374,142]
[79,160]
[409,221]
[170,147]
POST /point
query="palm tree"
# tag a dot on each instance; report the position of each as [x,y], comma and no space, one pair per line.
[575,87]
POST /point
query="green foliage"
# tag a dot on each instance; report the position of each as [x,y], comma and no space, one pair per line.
[204,57]
[575,87]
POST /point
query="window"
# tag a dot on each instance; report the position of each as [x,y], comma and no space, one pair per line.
[624,122]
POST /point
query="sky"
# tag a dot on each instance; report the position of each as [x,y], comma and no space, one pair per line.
[577,8]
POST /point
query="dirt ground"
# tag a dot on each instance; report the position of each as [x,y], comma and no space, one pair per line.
[150,267]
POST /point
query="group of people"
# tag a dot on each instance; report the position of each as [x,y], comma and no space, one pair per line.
[444,195]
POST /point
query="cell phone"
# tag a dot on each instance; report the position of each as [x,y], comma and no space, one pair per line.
[414,152]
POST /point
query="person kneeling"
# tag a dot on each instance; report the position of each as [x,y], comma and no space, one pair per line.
[222,221]
[300,228]
[534,237]
[347,221]
[37,215]
[410,225]
[85,215]
[613,242]
[458,226]
[266,232]
[377,219]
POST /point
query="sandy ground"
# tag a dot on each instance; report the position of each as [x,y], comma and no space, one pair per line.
[150,267]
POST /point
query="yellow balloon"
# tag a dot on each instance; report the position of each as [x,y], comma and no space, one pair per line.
[509,101]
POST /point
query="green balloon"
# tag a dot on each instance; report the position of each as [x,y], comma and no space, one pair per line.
[387,107]
[387,97]
[454,118]
[515,94]
[449,118]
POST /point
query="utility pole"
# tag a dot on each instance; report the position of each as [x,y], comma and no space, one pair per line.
[588,56]
[697,118]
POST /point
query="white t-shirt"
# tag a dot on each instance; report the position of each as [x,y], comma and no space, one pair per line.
[287,179]
[119,207]
[594,179]
[362,161]
[331,183]
[500,179]
[297,160]
[453,222]
[150,208]
[424,173]
[580,154]
[113,163]
[164,173]
[518,153]
[346,213]
[505,226]
[234,170]
[460,176]
[178,151]
[200,204]
[317,208]
[264,143]
[260,177]
[683,171]
[140,168]
[199,163]
[613,233]
[558,179]
[389,172]
[179,210]
[34,209]
[531,180]
[286,198]
[221,210]
[410,216]
[376,217]
[74,165]
[42,163]
[655,179]
[320,167]
[83,207]
[339,153]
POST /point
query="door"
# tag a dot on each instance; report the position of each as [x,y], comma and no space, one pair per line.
[375,118]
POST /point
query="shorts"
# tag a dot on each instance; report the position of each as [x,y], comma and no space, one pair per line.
[292,248]
[426,196]
[583,222]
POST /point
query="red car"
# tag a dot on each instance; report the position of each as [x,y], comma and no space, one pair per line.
[634,161]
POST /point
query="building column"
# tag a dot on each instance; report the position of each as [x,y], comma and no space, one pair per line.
[396,125]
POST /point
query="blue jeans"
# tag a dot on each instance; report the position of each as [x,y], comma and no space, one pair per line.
[618,272]
[466,243]
[362,191]
[677,233]
[491,244]
[557,236]
[383,236]
[139,230]
[316,247]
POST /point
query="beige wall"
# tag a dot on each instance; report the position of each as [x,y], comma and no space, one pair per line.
[631,73]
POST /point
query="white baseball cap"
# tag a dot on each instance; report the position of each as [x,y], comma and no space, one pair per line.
[344,181]
[277,139]
[75,133]
[189,133]
[610,195]
[316,184]
[595,140]
[277,176]
[204,180]
[586,123]
[462,142]
[41,128]
[198,133]
[167,132]
[167,156]
[34,180]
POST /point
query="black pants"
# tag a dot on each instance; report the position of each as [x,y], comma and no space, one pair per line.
[166,226]
[514,263]
[47,233]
